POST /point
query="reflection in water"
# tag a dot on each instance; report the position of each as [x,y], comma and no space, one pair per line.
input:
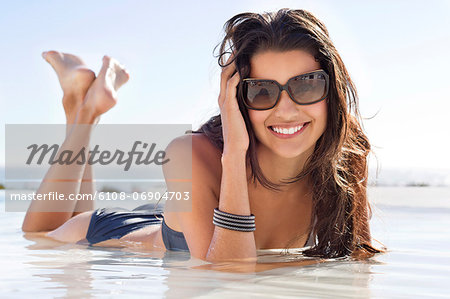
[71,260]
[81,270]
[417,264]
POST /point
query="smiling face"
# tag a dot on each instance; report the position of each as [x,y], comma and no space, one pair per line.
[269,125]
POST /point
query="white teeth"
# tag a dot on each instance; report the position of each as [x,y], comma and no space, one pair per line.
[286,131]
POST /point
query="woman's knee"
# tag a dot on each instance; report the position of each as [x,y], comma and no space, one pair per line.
[44,221]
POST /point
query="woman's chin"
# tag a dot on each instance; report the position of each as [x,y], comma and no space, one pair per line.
[283,151]
[288,154]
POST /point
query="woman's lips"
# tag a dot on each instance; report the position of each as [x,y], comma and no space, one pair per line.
[285,136]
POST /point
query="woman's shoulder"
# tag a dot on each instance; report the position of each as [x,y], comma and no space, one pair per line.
[194,156]
[197,143]
[198,149]
[207,152]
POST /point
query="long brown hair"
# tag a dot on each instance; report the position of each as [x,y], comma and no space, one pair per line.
[338,166]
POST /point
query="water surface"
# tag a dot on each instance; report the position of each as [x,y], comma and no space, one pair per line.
[414,223]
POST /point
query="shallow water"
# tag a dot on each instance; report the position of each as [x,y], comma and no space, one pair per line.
[414,223]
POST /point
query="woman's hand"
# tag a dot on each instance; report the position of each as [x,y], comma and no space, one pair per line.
[235,135]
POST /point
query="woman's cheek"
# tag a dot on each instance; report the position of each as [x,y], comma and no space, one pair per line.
[319,112]
[257,119]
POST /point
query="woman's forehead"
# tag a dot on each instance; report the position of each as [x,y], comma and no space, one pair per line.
[281,66]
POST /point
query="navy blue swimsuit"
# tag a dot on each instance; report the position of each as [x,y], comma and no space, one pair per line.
[114,223]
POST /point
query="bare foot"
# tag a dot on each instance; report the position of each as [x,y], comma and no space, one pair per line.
[102,95]
[75,78]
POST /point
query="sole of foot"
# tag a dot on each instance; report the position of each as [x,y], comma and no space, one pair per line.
[102,95]
[74,77]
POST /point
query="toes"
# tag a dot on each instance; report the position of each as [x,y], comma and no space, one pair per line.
[54,58]
[51,55]
[61,61]
[106,59]
[114,72]
[126,74]
[105,66]
[122,76]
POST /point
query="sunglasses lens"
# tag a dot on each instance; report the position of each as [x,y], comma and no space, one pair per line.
[308,88]
[260,94]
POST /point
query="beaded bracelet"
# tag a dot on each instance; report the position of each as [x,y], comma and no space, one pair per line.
[233,221]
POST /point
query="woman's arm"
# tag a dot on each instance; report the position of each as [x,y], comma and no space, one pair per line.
[204,239]
[228,244]
[256,267]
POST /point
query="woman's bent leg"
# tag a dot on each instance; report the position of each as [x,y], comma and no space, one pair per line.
[44,215]
[101,96]
[75,79]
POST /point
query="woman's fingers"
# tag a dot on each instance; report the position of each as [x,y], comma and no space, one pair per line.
[235,134]
[226,74]
[228,70]
[227,95]
[231,90]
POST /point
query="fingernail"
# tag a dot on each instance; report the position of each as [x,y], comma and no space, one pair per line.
[43,54]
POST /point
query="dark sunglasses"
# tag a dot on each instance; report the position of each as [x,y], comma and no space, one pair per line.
[304,89]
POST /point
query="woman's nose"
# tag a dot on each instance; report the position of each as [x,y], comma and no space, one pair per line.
[286,108]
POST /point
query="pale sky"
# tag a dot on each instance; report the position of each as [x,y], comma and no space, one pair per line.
[397,52]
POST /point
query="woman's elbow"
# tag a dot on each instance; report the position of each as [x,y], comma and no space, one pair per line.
[215,258]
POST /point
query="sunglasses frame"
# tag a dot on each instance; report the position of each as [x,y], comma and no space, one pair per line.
[285,87]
